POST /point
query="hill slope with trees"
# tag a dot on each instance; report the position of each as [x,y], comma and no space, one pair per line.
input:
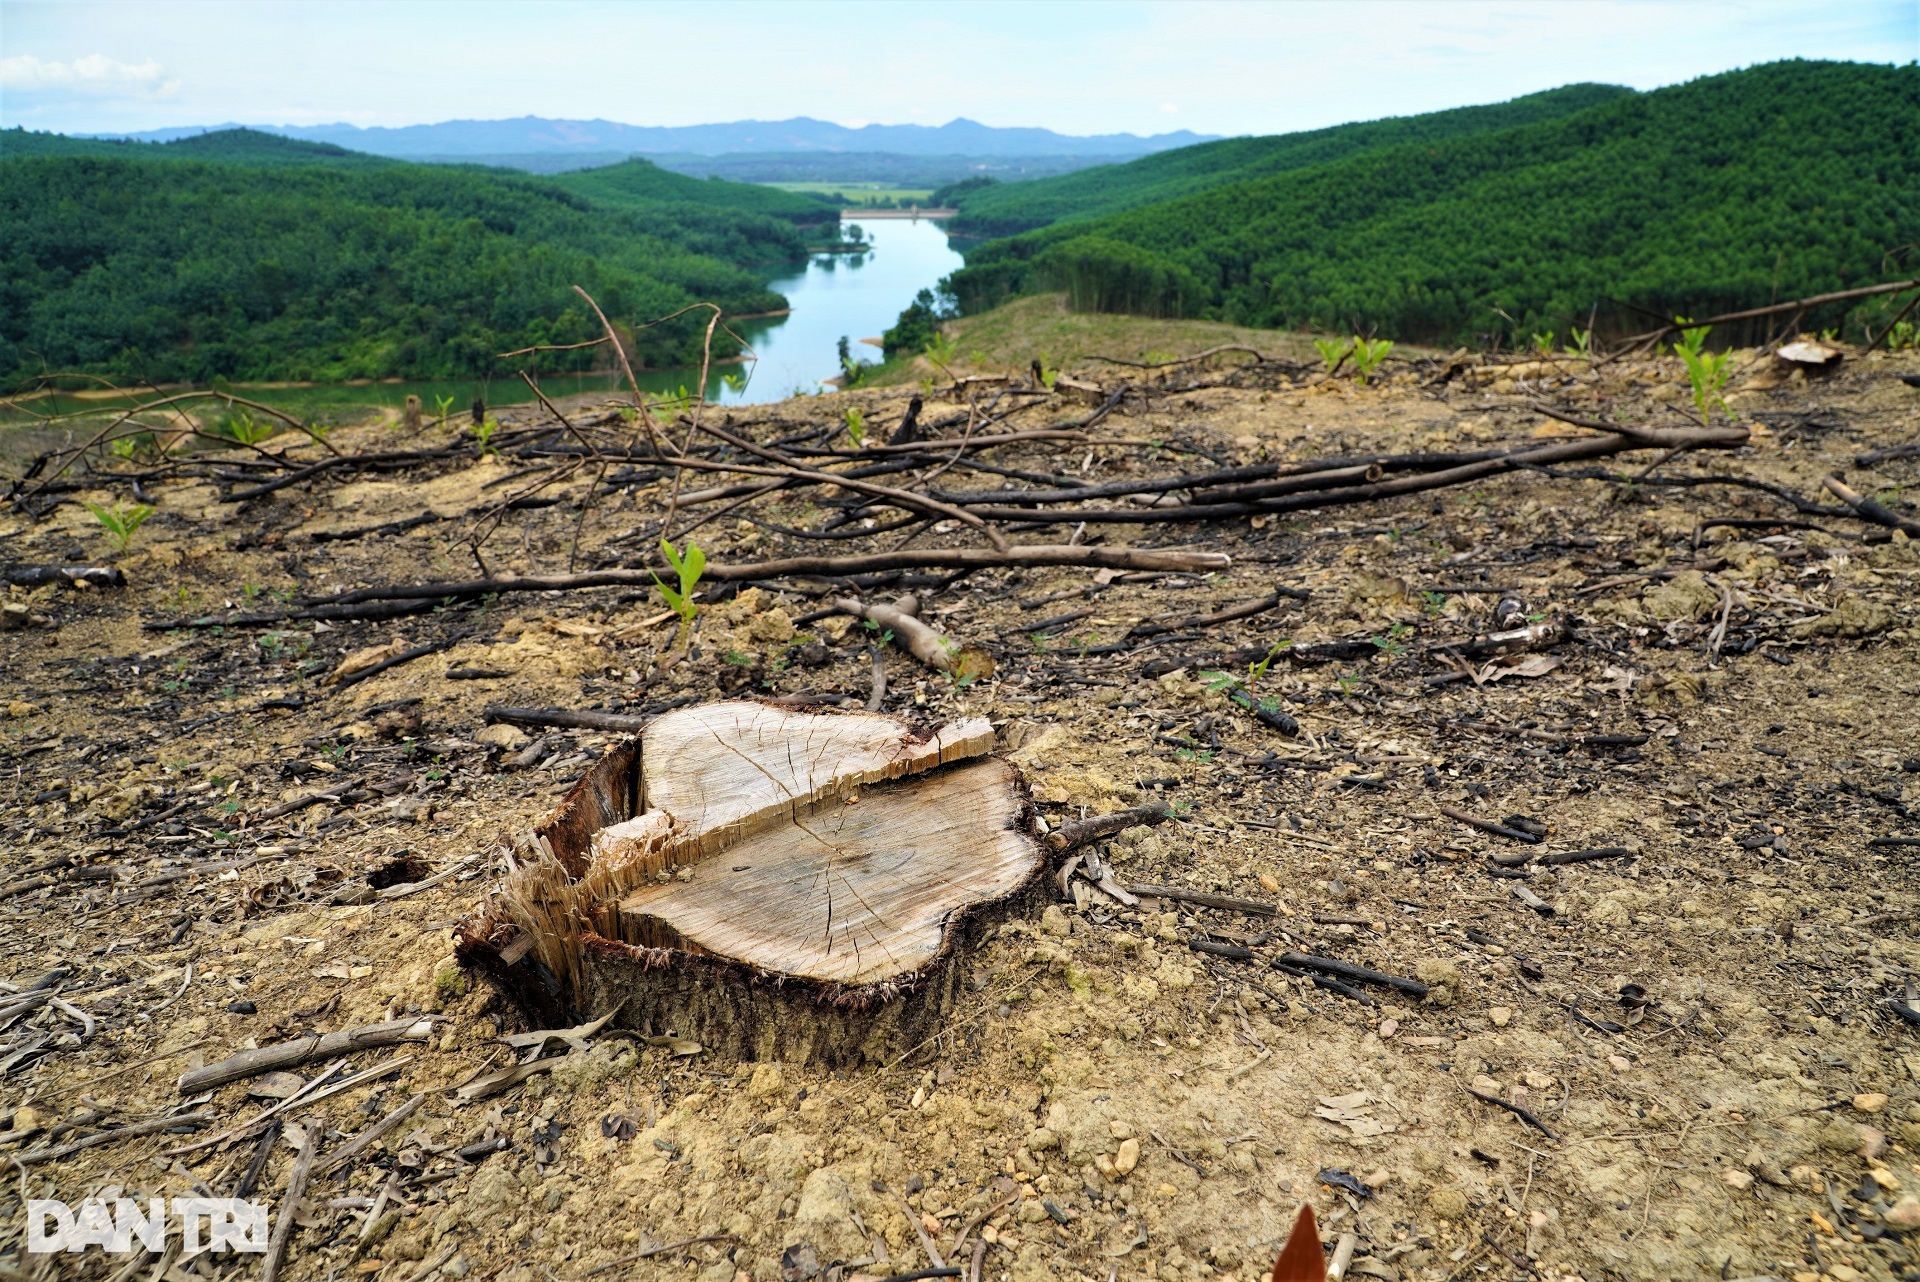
[251,257]
[1005,209]
[1730,191]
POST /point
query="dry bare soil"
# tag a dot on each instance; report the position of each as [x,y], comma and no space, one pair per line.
[1705,1075]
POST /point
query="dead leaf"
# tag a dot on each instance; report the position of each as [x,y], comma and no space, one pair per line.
[1532,665]
[361,660]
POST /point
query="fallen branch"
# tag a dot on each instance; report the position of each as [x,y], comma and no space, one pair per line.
[266,1059]
[1360,974]
[368,1138]
[290,1202]
[147,1127]
[1030,556]
[565,718]
[1871,510]
[920,640]
[1226,903]
[1774,309]
[1075,833]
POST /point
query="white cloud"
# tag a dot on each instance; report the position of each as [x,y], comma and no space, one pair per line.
[92,74]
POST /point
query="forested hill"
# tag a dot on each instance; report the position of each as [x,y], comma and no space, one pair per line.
[638,183]
[252,257]
[1004,209]
[1782,180]
[228,146]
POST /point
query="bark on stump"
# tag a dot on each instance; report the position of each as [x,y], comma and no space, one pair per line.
[774,883]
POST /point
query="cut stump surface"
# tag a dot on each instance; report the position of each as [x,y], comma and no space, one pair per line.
[772,882]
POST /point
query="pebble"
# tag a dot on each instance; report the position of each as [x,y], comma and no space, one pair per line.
[1870,1102]
[1500,1015]
[1447,1202]
[1742,1180]
[1903,1216]
[1873,1143]
[1388,1027]
[1127,1157]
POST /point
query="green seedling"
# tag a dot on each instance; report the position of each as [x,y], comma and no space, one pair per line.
[1434,602]
[1707,372]
[1348,682]
[687,570]
[735,383]
[442,407]
[856,428]
[1543,343]
[124,448]
[1256,672]
[851,370]
[1333,351]
[1904,336]
[120,520]
[1394,643]
[940,350]
[483,432]
[241,427]
[1582,340]
[1367,355]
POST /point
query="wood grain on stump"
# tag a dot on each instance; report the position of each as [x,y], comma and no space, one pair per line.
[773,882]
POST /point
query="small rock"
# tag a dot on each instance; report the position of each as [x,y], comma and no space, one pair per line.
[1873,1143]
[1442,978]
[1620,1063]
[1870,1102]
[1055,922]
[458,1267]
[1446,1202]
[1388,1027]
[1839,1137]
[1031,1212]
[1127,1157]
[243,1008]
[1040,1139]
[1500,1015]
[24,1120]
[1903,1216]
[1742,1180]
[768,1081]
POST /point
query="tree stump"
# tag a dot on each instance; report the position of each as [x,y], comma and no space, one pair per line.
[774,883]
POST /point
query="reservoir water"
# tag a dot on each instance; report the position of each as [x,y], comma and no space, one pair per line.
[857,296]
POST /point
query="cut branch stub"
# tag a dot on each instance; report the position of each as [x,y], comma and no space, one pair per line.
[771,882]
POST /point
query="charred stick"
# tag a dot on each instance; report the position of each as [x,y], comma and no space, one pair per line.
[1559,857]
[1870,509]
[1226,903]
[406,656]
[566,718]
[1516,1110]
[1029,556]
[1360,974]
[1488,826]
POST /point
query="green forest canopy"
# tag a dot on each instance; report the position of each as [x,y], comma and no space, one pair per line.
[251,257]
[1730,191]
[1006,209]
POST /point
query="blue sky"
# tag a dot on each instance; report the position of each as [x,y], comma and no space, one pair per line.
[1213,66]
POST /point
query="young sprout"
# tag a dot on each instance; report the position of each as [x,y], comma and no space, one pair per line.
[687,570]
[1367,355]
[120,520]
[1333,351]
[856,428]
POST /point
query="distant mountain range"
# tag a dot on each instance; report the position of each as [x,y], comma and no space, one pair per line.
[535,135]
